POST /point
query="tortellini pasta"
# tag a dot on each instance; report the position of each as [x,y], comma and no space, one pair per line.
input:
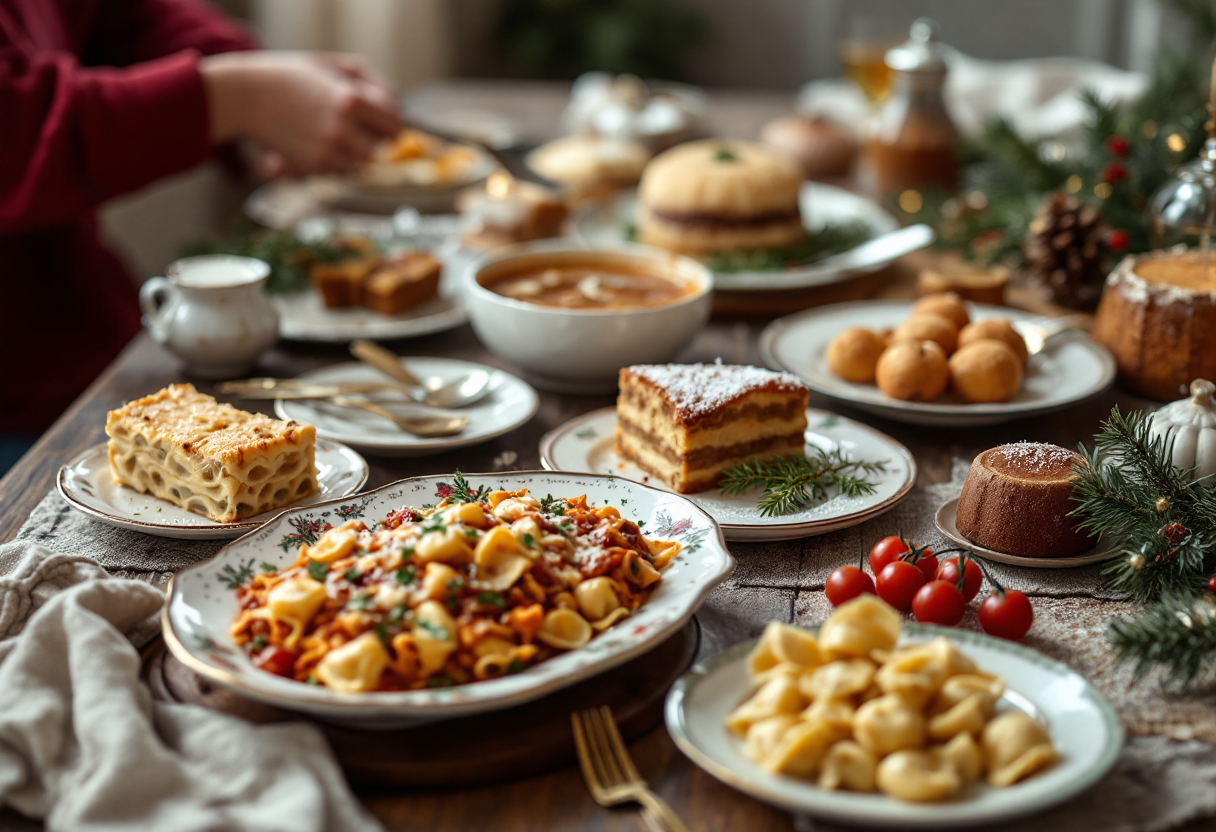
[564,629]
[355,666]
[848,710]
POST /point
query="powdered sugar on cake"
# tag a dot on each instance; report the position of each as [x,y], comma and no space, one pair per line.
[696,390]
[1035,457]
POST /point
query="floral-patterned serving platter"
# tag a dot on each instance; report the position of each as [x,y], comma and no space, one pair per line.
[201,601]
[586,444]
[1084,730]
[86,485]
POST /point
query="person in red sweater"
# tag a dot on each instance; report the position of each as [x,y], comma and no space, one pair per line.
[100,98]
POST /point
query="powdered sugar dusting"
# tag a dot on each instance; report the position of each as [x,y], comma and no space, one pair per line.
[697,390]
[1035,457]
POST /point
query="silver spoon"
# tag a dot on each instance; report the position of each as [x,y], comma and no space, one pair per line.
[435,392]
[439,424]
[1037,334]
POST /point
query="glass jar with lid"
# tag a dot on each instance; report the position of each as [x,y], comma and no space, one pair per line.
[913,142]
[1183,210]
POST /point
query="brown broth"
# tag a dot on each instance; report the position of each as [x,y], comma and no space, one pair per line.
[588,287]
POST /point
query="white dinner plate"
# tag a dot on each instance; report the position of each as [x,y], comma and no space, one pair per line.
[586,444]
[201,604]
[1083,725]
[86,485]
[610,222]
[304,317]
[510,403]
[947,516]
[1069,370]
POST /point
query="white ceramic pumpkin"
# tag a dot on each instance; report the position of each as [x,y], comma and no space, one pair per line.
[1190,425]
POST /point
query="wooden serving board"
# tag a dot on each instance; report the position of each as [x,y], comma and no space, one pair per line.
[487,748]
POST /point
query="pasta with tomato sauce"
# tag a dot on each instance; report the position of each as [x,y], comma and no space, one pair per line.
[461,592]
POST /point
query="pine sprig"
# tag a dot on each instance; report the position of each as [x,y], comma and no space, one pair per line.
[1177,633]
[792,482]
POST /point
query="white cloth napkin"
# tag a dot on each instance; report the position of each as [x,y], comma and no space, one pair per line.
[1038,96]
[83,746]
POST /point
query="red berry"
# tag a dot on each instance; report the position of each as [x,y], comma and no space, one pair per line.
[972,582]
[1114,172]
[1006,615]
[1212,584]
[846,583]
[1118,239]
[898,584]
[1117,145]
[939,602]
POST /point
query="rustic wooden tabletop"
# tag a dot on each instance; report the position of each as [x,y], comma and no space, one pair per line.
[558,800]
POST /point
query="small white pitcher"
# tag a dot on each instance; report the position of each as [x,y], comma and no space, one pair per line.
[212,312]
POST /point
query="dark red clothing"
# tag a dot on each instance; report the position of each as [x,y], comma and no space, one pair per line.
[97,98]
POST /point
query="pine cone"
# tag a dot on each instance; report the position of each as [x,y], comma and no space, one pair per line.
[1067,252]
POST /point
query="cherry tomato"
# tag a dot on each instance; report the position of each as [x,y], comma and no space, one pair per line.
[846,583]
[1212,584]
[939,602]
[898,583]
[276,660]
[885,551]
[974,579]
[927,563]
[1006,615]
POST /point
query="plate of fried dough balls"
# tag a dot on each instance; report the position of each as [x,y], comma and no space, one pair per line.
[937,360]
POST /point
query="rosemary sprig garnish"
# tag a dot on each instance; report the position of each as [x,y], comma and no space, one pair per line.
[792,482]
[462,493]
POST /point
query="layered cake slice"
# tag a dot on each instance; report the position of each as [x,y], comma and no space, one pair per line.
[686,423]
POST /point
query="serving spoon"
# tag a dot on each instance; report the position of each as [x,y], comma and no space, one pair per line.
[435,392]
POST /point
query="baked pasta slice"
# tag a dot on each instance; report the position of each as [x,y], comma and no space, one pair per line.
[210,458]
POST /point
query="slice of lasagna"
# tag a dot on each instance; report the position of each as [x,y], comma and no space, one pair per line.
[685,423]
[209,458]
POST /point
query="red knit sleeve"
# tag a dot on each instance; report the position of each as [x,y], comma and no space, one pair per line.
[125,32]
[74,137]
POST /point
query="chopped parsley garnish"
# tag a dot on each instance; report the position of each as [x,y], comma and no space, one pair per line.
[353,575]
[406,575]
[725,154]
[471,532]
[235,578]
[434,524]
[311,680]
[439,682]
[528,540]
[399,613]
[258,643]
[407,551]
[633,567]
[456,584]
[382,634]
[267,566]
[360,602]
[432,630]
[492,599]
[553,505]
[568,528]
[516,666]
[317,570]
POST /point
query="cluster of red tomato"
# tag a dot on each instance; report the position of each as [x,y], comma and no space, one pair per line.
[911,579]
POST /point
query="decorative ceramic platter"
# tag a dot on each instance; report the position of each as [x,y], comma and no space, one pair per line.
[1069,369]
[509,404]
[86,485]
[586,444]
[201,603]
[1083,726]
[303,317]
[946,524]
[821,204]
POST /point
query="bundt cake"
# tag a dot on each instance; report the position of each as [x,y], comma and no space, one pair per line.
[1016,499]
[1158,318]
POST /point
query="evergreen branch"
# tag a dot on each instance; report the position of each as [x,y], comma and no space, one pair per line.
[792,482]
[1176,635]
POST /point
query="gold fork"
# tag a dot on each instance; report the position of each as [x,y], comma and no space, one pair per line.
[609,771]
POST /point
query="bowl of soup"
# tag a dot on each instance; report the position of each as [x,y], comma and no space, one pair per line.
[571,315]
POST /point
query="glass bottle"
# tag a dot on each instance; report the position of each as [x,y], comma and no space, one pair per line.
[1183,209]
[913,142]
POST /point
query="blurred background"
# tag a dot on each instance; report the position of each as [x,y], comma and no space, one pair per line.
[772,45]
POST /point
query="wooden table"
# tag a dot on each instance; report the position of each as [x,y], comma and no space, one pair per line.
[558,800]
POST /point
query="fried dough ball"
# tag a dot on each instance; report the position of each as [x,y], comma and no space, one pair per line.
[853,354]
[986,371]
[995,329]
[913,370]
[928,326]
[947,304]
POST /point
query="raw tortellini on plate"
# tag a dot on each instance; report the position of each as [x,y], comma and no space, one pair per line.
[848,710]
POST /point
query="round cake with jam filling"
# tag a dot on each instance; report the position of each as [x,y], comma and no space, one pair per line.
[1016,500]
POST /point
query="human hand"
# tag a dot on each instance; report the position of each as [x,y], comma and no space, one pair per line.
[319,113]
